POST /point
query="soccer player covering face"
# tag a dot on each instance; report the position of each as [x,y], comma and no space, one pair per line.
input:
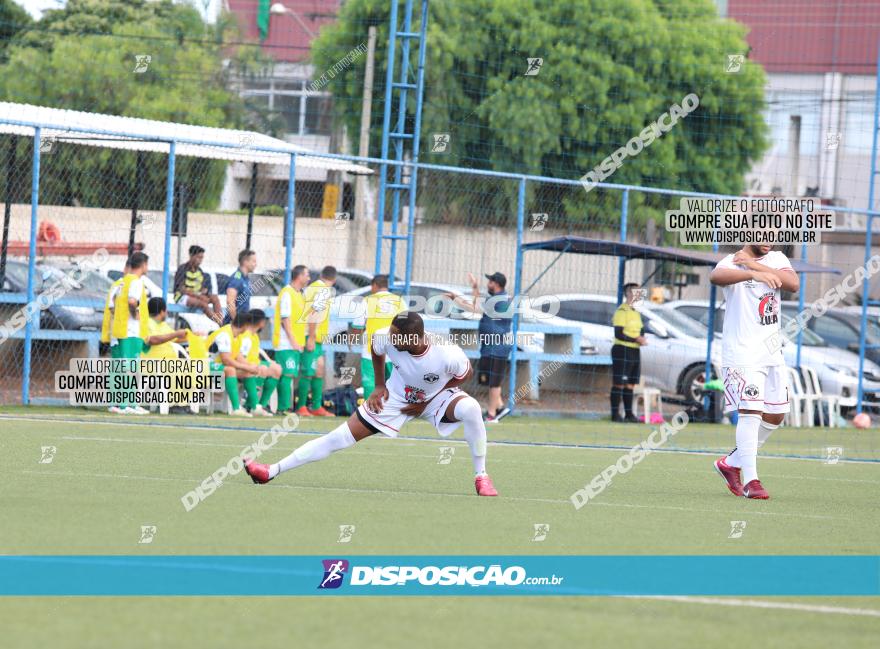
[755,382]
[424,384]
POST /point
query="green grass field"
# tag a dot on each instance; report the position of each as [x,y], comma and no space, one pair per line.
[111,475]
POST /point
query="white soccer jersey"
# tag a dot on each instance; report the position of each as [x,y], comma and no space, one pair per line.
[285,306]
[751,317]
[420,378]
[224,345]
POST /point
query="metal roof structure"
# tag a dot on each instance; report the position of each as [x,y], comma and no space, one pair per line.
[587,246]
[136,134]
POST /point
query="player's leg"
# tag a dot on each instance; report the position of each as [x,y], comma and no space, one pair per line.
[130,349]
[340,438]
[617,380]
[466,409]
[730,466]
[748,386]
[252,384]
[269,384]
[287,358]
[368,377]
[307,372]
[317,407]
[230,382]
[633,369]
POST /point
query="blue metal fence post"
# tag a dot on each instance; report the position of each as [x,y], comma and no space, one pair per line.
[800,336]
[621,261]
[386,130]
[290,218]
[31,275]
[707,370]
[517,287]
[868,236]
[169,209]
[414,171]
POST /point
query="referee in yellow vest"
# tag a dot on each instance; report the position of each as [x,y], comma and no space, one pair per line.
[629,337]
[379,309]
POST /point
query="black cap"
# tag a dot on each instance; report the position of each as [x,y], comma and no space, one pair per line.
[498,278]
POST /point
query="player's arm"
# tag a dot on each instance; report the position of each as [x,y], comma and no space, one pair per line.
[380,392]
[158,339]
[455,381]
[231,296]
[239,363]
[287,327]
[789,280]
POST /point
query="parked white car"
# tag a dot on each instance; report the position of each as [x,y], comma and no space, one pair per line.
[673,361]
[836,368]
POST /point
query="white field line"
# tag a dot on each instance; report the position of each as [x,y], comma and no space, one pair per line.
[404,492]
[754,603]
[119,422]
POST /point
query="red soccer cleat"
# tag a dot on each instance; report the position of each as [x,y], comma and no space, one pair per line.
[321,412]
[302,411]
[259,473]
[731,476]
[484,486]
[755,490]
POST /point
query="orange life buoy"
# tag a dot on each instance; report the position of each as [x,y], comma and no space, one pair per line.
[48,232]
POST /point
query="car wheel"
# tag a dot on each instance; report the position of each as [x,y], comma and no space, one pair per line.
[692,382]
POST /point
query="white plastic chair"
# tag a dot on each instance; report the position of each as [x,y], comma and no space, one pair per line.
[801,402]
[648,397]
[813,387]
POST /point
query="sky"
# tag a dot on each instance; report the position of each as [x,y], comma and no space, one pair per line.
[36,7]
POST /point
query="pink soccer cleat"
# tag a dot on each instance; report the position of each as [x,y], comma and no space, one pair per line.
[755,490]
[730,474]
[259,473]
[484,486]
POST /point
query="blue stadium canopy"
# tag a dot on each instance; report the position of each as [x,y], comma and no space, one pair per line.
[587,246]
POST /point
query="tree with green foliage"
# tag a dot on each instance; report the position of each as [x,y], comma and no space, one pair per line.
[85,57]
[13,19]
[610,68]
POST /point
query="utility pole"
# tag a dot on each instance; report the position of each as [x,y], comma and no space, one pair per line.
[363,208]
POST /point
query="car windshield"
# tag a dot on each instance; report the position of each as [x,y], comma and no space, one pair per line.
[688,326]
[872,332]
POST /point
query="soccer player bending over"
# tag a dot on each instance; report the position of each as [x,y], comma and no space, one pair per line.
[424,384]
[755,381]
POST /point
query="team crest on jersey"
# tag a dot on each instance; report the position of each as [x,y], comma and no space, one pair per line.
[430,377]
[768,309]
[414,394]
[751,391]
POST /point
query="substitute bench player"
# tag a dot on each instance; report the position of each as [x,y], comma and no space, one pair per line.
[424,384]
[755,381]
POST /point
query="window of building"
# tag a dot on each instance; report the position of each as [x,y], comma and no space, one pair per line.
[301,111]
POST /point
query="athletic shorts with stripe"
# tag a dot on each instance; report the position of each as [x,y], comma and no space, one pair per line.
[391,420]
[764,389]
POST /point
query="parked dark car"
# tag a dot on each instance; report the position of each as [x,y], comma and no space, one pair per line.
[91,291]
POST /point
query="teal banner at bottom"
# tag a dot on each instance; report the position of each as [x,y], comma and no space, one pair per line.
[125,575]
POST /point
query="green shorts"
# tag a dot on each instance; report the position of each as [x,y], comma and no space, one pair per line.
[310,360]
[290,360]
[217,367]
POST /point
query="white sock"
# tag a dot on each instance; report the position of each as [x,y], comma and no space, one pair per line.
[747,445]
[468,411]
[315,449]
[765,431]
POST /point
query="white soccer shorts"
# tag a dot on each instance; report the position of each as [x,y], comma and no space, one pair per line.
[756,388]
[390,420]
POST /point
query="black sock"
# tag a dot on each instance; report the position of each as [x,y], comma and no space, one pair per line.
[615,401]
[627,401]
